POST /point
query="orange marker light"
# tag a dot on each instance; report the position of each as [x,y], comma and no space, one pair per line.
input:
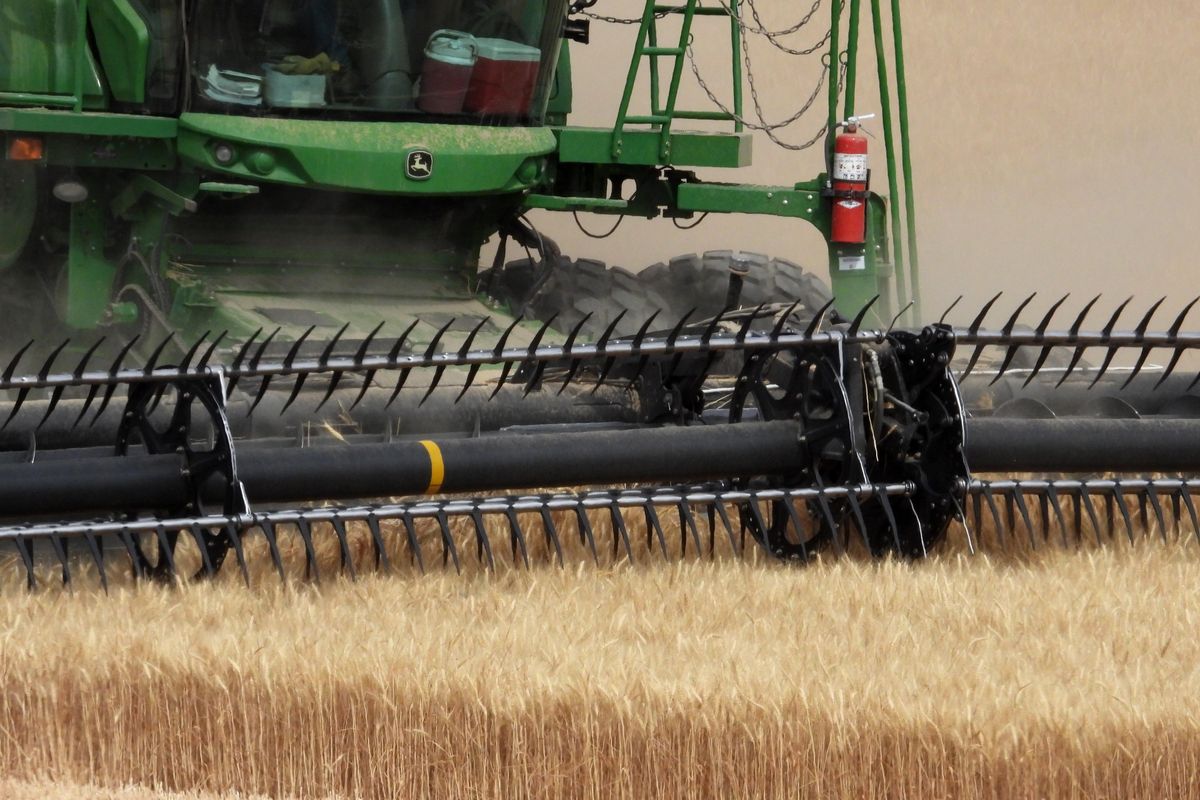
[26,148]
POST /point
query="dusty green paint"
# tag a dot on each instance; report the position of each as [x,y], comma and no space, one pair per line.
[734,198]
[368,156]
[39,42]
[40,120]
[124,43]
[109,152]
[641,148]
[89,274]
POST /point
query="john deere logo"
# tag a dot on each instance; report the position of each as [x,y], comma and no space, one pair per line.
[419,166]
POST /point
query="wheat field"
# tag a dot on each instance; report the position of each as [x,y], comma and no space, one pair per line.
[1060,673]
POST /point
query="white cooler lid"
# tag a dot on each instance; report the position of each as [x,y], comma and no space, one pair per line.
[504,50]
[452,47]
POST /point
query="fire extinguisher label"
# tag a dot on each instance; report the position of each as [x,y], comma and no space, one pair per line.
[850,167]
[852,263]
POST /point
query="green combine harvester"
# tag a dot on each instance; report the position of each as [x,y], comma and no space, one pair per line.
[242,293]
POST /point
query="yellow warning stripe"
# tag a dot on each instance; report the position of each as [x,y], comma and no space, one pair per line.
[437,467]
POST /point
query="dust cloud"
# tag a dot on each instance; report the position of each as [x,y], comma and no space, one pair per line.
[1052,144]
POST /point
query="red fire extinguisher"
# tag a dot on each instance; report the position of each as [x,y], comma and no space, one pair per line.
[850,179]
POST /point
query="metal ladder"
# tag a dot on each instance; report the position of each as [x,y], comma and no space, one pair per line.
[662,115]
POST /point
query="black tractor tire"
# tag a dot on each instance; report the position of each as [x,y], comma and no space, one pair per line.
[696,283]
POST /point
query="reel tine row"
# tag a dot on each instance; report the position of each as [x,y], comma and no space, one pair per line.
[1109,507]
[1109,338]
[215,536]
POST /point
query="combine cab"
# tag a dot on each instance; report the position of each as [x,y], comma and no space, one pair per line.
[240,250]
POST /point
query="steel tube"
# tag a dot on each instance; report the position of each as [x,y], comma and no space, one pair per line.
[1083,445]
[482,464]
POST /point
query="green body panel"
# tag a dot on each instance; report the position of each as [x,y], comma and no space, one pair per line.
[368,156]
[124,43]
[89,273]
[18,209]
[40,120]
[641,148]
[38,51]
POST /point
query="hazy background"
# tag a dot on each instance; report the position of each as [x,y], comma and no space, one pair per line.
[1054,143]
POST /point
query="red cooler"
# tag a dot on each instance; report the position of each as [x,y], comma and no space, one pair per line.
[504,78]
[446,73]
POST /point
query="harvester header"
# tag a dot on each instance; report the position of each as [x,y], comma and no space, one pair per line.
[241,246]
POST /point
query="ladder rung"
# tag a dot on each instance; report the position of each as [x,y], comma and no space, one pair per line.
[653,119]
[713,115]
[663,51]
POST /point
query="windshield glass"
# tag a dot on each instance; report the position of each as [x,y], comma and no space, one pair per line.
[482,61]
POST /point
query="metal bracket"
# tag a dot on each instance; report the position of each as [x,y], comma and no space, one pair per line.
[199,466]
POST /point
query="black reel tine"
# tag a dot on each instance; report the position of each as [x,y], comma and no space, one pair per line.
[365,347]
[483,547]
[15,360]
[896,318]
[152,362]
[1123,507]
[1056,504]
[137,561]
[586,536]
[551,531]
[1142,327]
[516,536]
[751,507]
[267,526]
[723,514]
[983,312]
[1090,508]
[962,515]
[288,360]
[997,520]
[573,368]
[1174,333]
[235,542]
[186,361]
[886,503]
[347,558]
[856,325]
[1112,351]
[97,555]
[197,534]
[400,381]
[312,571]
[835,530]
[111,388]
[166,551]
[1074,335]
[818,319]
[202,364]
[790,504]
[951,307]
[60,553]
[654,524]
[449,549]
[382,563]
[1007,330]
[25,548]
[620,533]
[1042,327]
[414,546]
[22,396]
[687,526]
[1156,505]
[1018,497]
[859,522]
